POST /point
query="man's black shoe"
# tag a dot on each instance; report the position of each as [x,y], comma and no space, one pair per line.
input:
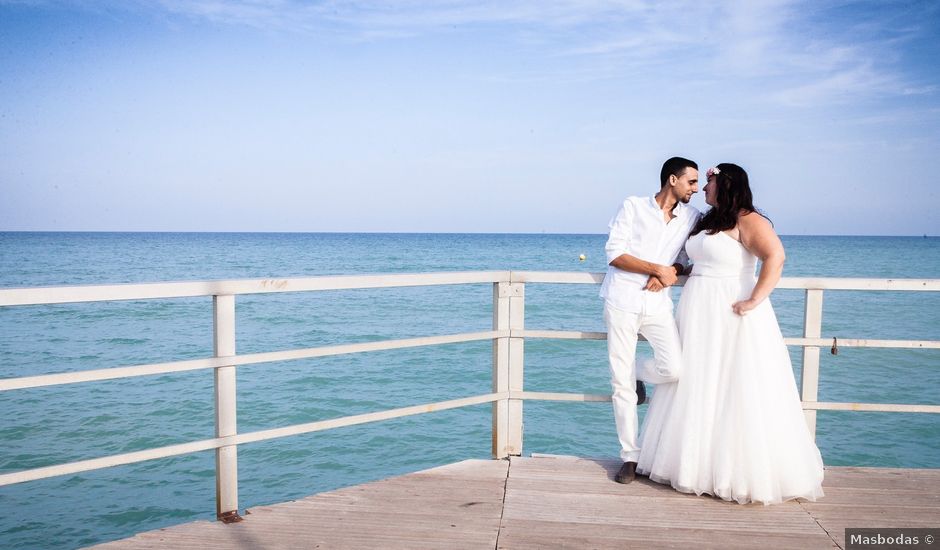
[627,473]
[640,392]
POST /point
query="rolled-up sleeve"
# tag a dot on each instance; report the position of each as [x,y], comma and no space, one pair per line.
[618,240]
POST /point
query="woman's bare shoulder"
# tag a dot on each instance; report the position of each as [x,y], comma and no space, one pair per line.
[753,221]
[756,232]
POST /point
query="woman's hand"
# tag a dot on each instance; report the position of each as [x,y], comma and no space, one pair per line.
[668,275]
[744,306]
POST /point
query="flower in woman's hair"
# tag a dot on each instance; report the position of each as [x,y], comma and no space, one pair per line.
[712,172]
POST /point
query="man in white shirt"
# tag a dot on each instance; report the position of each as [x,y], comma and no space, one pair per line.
[645,256]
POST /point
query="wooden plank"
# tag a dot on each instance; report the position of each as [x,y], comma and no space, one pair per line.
[577,277]
[561,502]
[226,410]
[500,369]
[456,506]
[836,518]
[882,478]
[819,283]
[99,293]
[833,283]
[574,503]
[809,372]
[530,534]
[870,407]
[842,342]
[564,334]
[516,367]
[555,396]
[863,343]
[186,289]
[887,497]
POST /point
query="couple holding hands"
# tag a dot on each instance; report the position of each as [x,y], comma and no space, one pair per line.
[726,418]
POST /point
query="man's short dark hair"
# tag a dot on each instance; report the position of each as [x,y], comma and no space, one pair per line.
[674,167]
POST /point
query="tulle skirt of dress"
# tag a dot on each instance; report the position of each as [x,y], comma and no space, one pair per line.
[732,426]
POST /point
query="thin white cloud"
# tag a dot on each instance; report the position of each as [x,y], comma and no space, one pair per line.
[783,50]
[276,15]
[920,90]
[406,17]
[837,87]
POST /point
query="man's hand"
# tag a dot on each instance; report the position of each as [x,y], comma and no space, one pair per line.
[654,284]
[666,275]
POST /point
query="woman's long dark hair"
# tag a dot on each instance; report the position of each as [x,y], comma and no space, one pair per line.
[733,195]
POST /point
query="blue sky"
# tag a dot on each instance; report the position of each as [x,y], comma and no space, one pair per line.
[453,116]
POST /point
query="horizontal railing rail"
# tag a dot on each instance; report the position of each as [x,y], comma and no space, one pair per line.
[508,335]
[148,291]
[248,437]
[239,360]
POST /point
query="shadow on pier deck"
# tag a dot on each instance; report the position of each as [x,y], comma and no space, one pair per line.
[560,502]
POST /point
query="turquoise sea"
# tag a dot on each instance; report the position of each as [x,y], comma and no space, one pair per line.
[52,425]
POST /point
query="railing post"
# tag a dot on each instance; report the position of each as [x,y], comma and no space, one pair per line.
[226,458]
[809,379]
[516,364]
[508,352]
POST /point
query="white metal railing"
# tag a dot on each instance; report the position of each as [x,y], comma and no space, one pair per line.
[508,335]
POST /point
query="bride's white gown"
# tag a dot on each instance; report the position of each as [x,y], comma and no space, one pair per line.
[732,426]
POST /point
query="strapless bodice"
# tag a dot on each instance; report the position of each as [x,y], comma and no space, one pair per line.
[719,255]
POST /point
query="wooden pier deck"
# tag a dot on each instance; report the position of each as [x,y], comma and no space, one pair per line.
[560,502]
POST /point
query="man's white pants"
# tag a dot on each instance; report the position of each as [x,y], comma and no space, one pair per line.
[622,328]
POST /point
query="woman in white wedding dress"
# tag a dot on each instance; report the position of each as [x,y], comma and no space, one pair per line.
[732,426]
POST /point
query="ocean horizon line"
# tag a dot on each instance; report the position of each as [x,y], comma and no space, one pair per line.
[519,233]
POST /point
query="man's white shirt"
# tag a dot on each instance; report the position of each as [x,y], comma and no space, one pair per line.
[639,229]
